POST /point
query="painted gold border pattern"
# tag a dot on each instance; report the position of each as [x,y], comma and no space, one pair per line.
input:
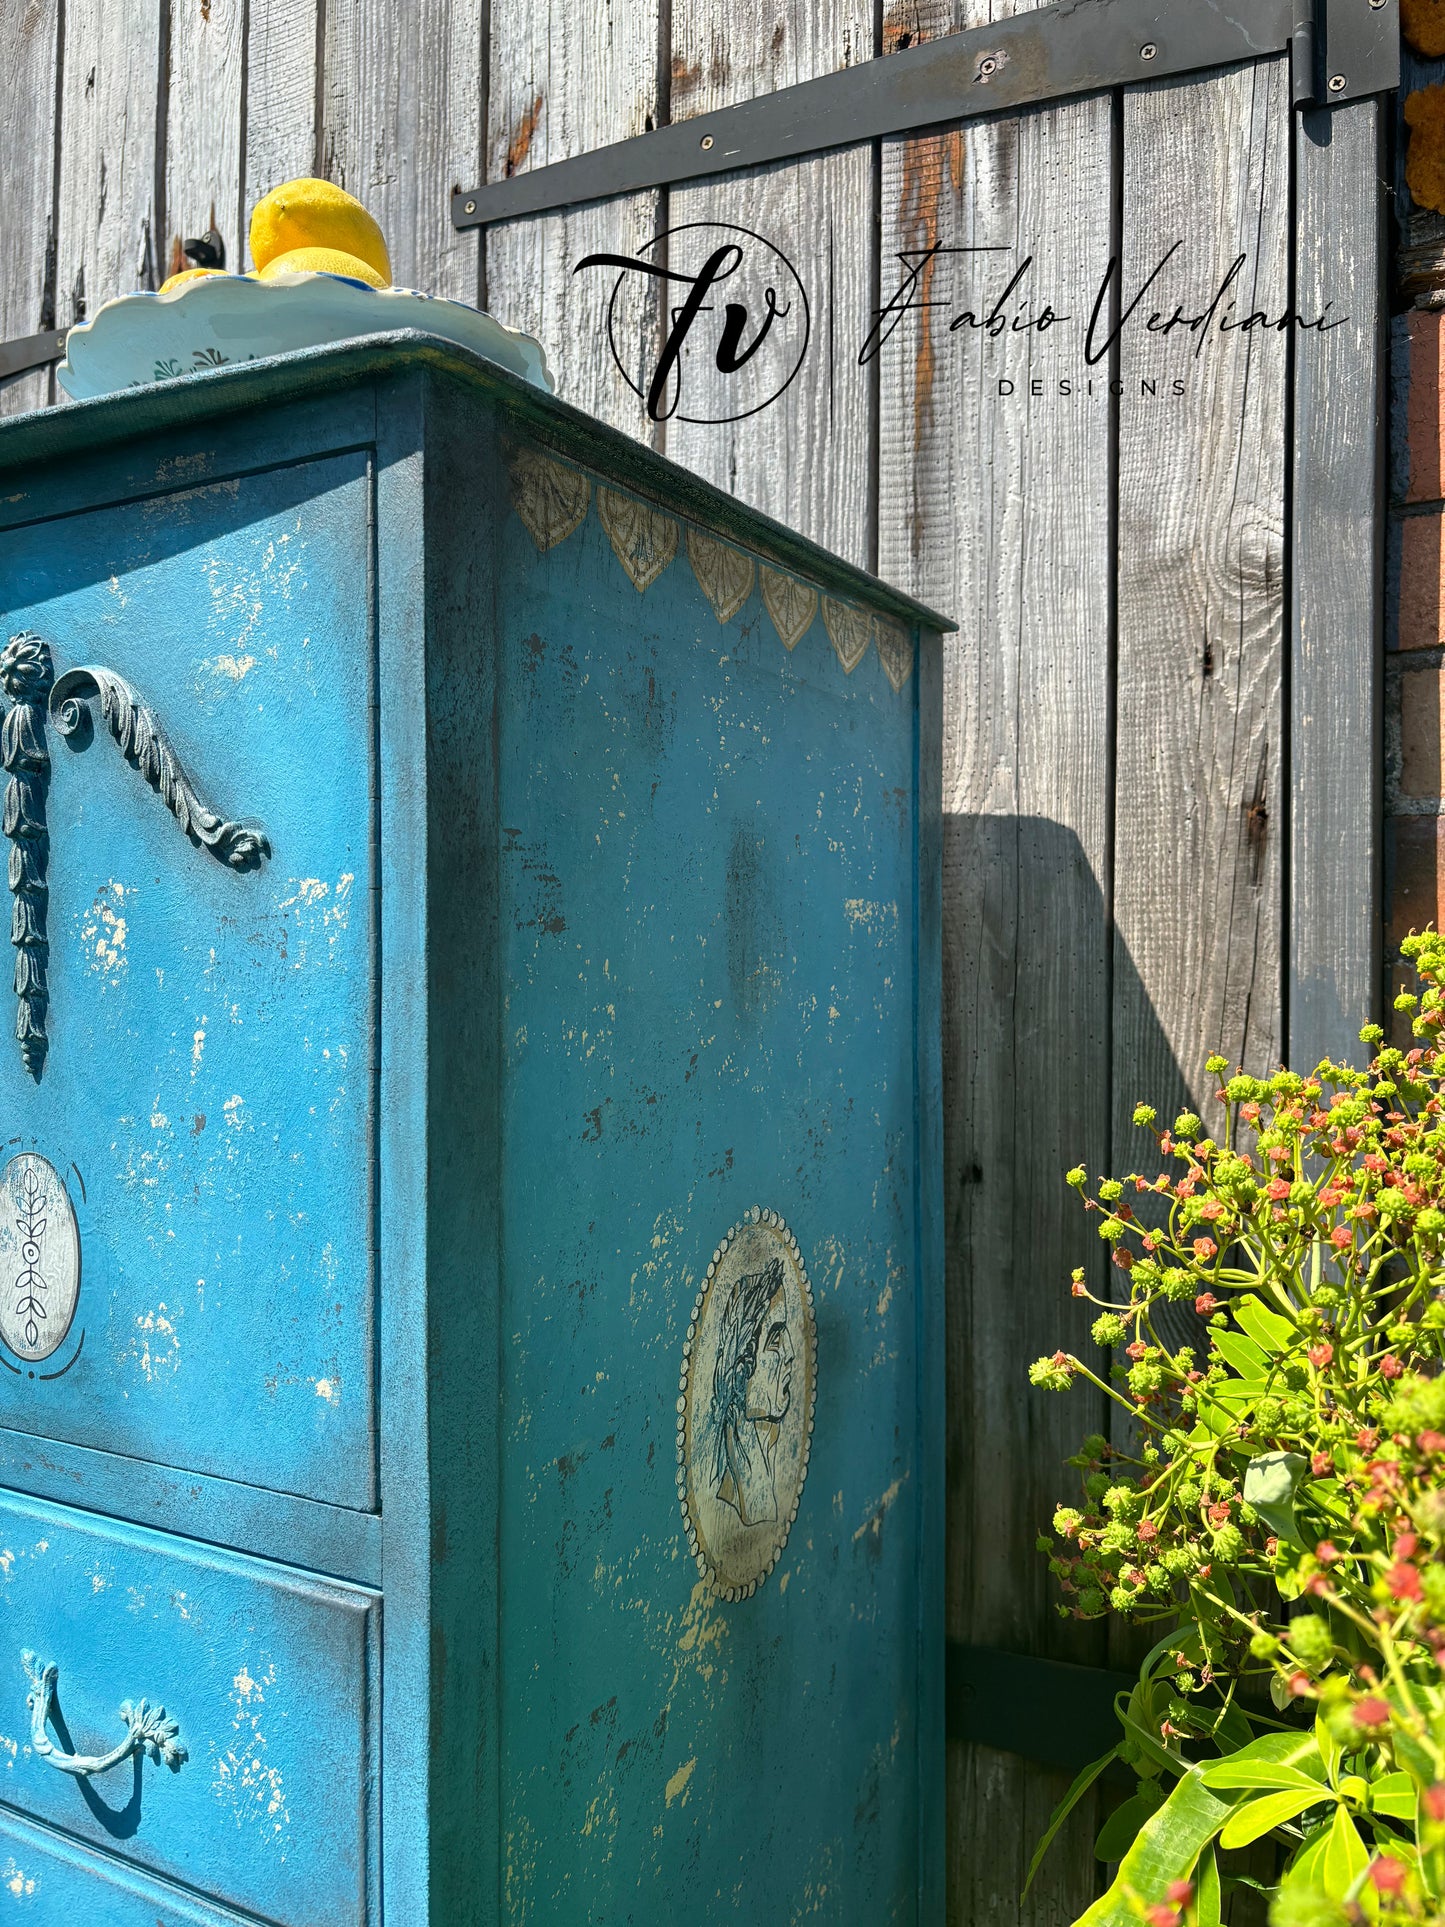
[552,499]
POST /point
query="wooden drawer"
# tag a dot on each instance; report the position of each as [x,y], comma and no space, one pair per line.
[270,1676]
[45,1878]
[205,1100]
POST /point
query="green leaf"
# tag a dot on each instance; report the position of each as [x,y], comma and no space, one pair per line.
[1394,1795]
[1232,1728]
[1157,1755]
[1331,1859]
[1328,1748]
[1269,1486]
[1257,1817]
[1271,1332]
[1116,1836]
[1276,1760]
[1167,1847]
[1242,1354]
[1208,1909]
[1084,1780]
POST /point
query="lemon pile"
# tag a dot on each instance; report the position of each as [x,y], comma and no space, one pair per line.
[309,227]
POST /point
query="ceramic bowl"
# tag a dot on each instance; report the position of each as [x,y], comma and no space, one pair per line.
[142,338]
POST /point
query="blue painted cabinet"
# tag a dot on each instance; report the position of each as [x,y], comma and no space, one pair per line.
[470,1253]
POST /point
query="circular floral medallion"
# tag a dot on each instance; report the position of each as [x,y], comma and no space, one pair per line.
[745,1404]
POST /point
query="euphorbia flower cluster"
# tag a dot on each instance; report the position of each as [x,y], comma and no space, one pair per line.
[1274,1492]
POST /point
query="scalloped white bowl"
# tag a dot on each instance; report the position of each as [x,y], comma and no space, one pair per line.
[142,338]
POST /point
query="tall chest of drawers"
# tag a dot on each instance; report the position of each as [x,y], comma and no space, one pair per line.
[470,1253]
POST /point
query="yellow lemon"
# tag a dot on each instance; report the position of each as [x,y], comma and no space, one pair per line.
[187,274]
[321,261]
[314,214]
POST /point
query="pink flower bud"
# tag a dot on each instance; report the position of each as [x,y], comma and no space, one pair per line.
[1387,1875]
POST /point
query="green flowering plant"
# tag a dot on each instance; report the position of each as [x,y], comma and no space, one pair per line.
[1274,1505]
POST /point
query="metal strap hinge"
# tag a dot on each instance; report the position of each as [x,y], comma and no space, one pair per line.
[1341,50]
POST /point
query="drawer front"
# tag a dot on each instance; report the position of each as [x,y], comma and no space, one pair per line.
[198,1142]
[45,1879]
[270,1677]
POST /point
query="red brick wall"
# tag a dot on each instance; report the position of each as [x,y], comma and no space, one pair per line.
[1415,639]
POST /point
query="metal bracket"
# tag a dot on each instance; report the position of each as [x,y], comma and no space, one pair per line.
[31,351]
[1074,47]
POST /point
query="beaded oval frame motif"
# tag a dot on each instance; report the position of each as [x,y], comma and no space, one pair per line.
[745,1404]
[39,1258]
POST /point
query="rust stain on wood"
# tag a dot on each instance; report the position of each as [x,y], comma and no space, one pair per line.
[685,77]
[521,142]
[924,165]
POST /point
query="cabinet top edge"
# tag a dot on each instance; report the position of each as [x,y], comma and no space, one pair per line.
[72,429]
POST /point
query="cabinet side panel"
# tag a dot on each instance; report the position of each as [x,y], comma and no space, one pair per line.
[708,910]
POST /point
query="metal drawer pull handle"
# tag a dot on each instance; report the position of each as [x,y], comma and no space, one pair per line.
[151,1729]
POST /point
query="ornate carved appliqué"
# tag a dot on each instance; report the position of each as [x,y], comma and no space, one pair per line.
[643,538]
[724,574]
[27,678]
[39,1258]
[145,747]
[791,604]
[745,1404]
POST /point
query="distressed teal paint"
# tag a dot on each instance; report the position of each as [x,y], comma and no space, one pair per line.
[266,1674]
[643,932]
[208,1088]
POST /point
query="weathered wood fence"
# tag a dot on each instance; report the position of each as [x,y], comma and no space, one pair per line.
[1161,701]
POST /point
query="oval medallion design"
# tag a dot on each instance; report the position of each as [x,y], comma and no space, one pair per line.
[39,1257]
[745,1405]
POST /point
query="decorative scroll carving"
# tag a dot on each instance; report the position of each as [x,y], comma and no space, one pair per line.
[850,630]
[895,650]
[643,538]
[149,1729]
[724,574]
[145,747]
[26,674]
[791,604]
[550,498]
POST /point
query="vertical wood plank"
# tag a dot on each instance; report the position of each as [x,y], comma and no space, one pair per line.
[996,508]
[282,53]
[107,241]
[1336,759]
[203,125]
[1201,780]
[807,458]
[564,80]
[29,56]
[402,108]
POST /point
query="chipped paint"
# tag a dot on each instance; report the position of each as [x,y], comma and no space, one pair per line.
[103,931]
[874,1522]
[21,1885]
[157,1349]
[676,1788]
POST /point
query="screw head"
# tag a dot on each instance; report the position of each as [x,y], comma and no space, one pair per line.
[1148,50]
[1377,4]
[987,67]
[471,207]
[706,141]
[1338,83]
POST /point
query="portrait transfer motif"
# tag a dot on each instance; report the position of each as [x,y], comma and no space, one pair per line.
[745,1409]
